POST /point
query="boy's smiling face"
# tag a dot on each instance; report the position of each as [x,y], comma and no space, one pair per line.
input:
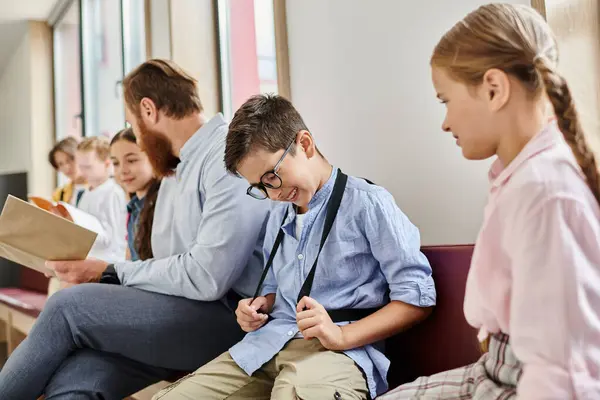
[299,179]
[92,168]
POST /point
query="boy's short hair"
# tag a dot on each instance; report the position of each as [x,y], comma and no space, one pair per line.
[98,144]
[67,145]
[264,121]
[172,90]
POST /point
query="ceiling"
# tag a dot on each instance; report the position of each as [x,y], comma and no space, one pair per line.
[13,17]
[11,34]
[11,10]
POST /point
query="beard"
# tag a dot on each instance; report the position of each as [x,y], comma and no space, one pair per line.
[159,149]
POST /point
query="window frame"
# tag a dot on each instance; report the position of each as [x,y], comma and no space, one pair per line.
[223,52]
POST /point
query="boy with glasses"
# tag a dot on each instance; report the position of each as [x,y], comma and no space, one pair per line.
[344,272]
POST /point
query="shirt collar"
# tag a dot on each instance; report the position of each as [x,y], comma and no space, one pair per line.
[109,182]
[316,202]
[135,204]
[499,175]
[201,136]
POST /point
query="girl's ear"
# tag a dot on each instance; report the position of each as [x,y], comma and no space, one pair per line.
[497,87]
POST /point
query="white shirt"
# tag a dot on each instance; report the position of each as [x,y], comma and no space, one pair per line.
[77,188]
[299,225]
[108,204]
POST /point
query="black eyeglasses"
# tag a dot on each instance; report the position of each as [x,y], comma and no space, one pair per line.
[269,180]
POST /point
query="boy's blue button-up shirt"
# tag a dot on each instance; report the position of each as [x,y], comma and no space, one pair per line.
[371,256]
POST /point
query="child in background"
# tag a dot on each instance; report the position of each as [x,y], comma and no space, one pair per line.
[104,199]
[134,172]
[533,289]
[62,159]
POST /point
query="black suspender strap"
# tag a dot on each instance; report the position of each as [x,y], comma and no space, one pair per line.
[271,257]
[333,206]
[78,198]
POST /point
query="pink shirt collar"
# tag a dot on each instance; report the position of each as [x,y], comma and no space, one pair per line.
[498,175]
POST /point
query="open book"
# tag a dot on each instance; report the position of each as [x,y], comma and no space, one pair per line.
[69,212]
[30,235]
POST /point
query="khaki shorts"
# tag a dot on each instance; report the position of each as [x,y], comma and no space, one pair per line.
[304,369]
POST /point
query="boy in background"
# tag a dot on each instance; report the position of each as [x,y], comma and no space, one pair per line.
[104,199]
[62,159]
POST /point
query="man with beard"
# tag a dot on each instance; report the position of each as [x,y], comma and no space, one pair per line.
[140,322]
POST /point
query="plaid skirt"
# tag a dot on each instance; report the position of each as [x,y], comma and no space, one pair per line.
[493,377]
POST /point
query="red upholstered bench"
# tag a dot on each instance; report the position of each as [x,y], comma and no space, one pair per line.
[444,340]
[22,300]
[20,306]
[30,296]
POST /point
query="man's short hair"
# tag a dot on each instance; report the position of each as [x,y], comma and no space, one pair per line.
[172,90]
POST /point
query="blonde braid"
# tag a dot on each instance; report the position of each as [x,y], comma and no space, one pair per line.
[569,123]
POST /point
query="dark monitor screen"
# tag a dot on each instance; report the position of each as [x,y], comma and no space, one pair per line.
[16,185]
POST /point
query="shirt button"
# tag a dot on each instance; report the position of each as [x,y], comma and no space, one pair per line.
[300,257]
[290,333]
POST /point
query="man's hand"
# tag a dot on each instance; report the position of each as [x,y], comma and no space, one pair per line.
[82,271]
[314,322]
[251,315]
[64,285]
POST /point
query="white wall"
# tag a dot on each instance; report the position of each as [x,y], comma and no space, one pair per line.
[576,24]
[360,77]
[160,34]
[26,124]
[194,47]
[42,177]
[15,99]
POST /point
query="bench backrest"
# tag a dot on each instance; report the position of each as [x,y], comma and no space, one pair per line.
[444,341]
[33,280]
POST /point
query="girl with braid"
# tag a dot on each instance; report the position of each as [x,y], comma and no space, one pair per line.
[533,290]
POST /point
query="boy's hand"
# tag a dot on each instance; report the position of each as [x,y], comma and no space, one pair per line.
[315,322]
[248,316]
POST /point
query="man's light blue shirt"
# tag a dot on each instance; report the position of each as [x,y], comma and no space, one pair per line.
[207,233]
